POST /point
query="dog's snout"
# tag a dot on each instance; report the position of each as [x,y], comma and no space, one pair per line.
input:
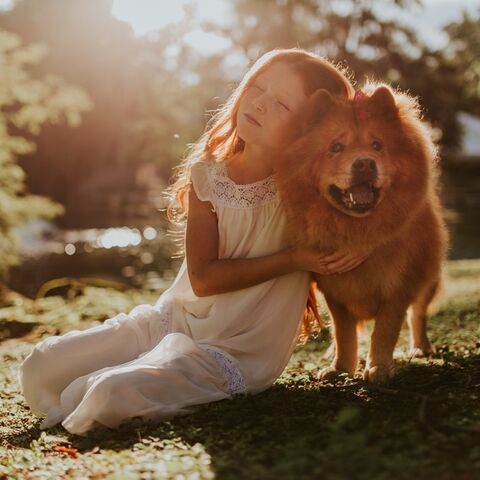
[364,169]
[364,165]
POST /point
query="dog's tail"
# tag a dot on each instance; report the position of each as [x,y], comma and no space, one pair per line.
[437,296]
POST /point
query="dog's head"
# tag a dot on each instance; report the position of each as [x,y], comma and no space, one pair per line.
[365,152]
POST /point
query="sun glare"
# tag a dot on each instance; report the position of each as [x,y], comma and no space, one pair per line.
[6,4]
[147,16]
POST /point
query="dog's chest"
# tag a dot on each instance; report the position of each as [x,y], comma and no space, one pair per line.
[360,296]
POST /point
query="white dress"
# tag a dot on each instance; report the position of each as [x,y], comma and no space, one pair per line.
[158,360]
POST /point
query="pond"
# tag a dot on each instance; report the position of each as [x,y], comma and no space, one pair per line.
[134,257]
[145,257]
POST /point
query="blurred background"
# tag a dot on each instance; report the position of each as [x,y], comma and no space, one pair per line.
[99,100]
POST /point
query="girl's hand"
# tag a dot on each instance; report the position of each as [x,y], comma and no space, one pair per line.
[310,259]
[318,261]
[342,261]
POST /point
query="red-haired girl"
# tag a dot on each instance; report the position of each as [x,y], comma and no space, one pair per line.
[231,319]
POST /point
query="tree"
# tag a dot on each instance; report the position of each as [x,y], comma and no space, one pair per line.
[147,108]
[89,48]
[355,33]
[463,52]
[25,105]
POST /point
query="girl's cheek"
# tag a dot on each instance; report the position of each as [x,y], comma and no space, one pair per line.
[289,129]
[281,120]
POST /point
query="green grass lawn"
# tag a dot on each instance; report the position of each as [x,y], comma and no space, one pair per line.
[423,424]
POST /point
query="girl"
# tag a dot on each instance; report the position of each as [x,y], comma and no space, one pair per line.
[231,319]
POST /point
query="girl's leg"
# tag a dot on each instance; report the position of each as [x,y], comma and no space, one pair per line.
[175,375]
[58,360]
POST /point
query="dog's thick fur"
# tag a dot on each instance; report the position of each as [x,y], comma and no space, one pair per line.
[363,176]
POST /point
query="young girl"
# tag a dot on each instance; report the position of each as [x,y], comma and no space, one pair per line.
[231,319]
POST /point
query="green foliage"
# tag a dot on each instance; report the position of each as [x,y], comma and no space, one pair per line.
[26,104]
[170,110]
[463,52]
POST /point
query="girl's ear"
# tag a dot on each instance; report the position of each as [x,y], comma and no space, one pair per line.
[318,105]
[382,103]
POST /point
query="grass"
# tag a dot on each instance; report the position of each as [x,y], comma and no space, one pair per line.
[424,423]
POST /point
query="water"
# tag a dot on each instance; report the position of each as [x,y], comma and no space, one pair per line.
[133,257]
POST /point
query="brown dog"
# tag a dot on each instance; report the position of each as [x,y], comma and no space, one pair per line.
[363,176]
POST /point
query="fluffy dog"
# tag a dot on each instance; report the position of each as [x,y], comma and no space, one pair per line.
[361,176]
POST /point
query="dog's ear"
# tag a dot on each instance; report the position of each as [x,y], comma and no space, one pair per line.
[318,105]
[382,103]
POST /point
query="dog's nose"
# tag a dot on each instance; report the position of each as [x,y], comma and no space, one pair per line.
[364,170]
[364,165]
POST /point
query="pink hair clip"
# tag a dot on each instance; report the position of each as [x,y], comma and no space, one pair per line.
[359,95]
[361,112]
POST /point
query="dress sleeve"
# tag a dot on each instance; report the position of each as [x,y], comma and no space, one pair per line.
[201,181]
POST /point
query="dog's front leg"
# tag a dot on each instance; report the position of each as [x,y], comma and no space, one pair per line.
[420,345]
[345,335]
[382,344]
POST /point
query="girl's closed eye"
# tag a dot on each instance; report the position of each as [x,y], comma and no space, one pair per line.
[277,101]
[283,105]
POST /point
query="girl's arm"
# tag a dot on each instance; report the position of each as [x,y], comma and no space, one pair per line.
[210,275]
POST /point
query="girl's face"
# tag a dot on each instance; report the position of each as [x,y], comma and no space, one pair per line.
[271,107]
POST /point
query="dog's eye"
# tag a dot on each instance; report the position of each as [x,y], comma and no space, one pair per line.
[337,147]
[376,145]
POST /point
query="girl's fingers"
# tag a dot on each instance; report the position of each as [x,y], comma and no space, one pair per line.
[339,264]
[349,267]
[332,257]
[338,254]
[323,271]
[357,262]
[343,269]
[346,265]
[336,261]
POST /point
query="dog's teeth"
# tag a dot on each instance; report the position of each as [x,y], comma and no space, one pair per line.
[351,198]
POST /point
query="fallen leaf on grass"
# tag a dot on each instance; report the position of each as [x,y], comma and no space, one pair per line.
[73,452]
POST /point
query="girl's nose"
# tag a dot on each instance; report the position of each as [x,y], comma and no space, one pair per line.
[259,106]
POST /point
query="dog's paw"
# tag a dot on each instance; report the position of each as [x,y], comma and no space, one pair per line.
[422,351]
[378,374]
[329,373]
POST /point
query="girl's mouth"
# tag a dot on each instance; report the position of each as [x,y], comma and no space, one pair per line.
[252,120]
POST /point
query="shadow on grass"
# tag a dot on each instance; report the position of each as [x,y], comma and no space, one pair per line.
[15,329]
[424,422]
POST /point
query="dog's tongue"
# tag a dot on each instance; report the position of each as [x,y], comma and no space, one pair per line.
[361,193]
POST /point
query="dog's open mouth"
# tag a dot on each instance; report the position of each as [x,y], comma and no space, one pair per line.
[359,198]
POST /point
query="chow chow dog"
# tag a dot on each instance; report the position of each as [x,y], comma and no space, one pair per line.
[361,176]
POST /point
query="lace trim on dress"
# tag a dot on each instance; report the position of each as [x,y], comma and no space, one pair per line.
[230,194]
[158,317]
[236,383]
[165,311]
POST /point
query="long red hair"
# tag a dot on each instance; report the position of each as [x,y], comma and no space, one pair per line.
[220,140]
